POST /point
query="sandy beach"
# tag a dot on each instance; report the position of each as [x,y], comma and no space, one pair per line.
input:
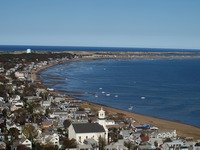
[182,129]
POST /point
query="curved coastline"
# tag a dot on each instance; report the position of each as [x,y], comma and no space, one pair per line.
[163,124]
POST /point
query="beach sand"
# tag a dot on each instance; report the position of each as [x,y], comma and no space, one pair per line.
[182,129]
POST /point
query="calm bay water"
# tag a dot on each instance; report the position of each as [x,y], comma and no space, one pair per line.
[164,88]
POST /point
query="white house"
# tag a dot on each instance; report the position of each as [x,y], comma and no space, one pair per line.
[119,145]
[110,122]
[50,139]
[2,69]
[15,107]
[2,99]
[26,142]
[14,99]
[197,146]
[125,134]
[19,75]
[172,145]
[2,145]
[164,134]
[45,104]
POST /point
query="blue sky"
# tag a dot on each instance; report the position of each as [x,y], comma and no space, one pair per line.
[115,23]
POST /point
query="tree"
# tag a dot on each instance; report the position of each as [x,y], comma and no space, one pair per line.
[3,91]
[102,143]
[69,143]
[30,132]
[167,140]
[156,144]
[113,134]
[20,116]
[128,144]
[22,147]
[37,146]
[66,123]
[49,147]
[44,95]
[60,131]
[4,112]
[14,133]
[29,90]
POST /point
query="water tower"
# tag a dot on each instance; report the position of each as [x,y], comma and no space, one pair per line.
[28,51]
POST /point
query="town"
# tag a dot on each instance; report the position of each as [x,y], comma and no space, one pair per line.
[36,117]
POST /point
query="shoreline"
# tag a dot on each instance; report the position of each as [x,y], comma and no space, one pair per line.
[182,129]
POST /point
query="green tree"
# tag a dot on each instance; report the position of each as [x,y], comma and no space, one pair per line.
[29,90]
[67,123]
[102,143]
[113,134]
[22,147]
[37,146]
[44,95]
[3,92]
[156,144]
[128,144]
[30,132]
[14,133]
[68,143]
[4,112]
[49,147]
[60,131]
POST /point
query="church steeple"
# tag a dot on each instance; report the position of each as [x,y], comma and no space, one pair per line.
[101,115]
[102,120]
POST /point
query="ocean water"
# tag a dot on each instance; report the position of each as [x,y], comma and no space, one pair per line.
[10,48]
[164,88]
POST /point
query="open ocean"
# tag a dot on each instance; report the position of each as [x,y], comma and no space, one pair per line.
[164,88]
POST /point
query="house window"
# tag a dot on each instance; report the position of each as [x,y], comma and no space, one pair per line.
[80,139]
[86,137]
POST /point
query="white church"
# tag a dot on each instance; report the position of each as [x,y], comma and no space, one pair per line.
[84,131]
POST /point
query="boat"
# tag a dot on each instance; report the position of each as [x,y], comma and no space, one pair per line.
[130,108]
[142,97]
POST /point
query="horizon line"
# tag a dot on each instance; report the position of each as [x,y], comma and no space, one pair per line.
[118,47]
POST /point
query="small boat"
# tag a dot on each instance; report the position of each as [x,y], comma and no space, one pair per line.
[108,94]
[130,108]
[103,92]
[50,89]
[116,95]
[142,97]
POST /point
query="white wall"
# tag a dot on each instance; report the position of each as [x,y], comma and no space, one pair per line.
[94,136]
[84,136]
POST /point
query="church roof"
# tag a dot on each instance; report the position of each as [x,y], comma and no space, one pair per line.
[88,127]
